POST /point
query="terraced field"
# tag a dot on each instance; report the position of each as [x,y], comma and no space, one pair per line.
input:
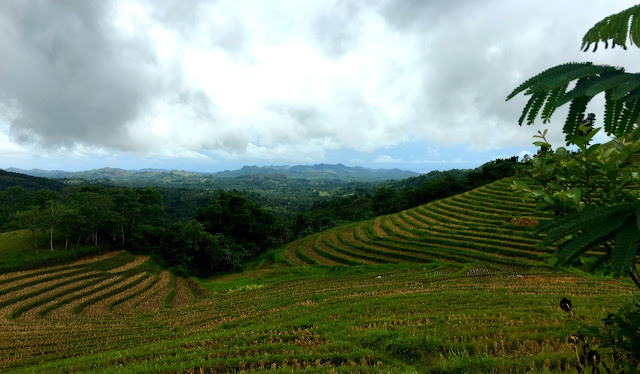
[383,319]
[449,287]
[472,227]
[108,285]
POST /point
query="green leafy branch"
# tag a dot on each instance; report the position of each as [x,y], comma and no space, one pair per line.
[549,90]
[594,193]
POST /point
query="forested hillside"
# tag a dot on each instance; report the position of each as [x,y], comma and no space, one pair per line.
[199,231]
[10,179]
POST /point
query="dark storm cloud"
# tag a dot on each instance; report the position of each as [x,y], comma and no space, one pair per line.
[73,78]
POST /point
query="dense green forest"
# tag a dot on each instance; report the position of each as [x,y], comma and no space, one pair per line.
[10,179]
[198,231]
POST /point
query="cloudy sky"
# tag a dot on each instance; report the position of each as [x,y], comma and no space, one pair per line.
[214,85]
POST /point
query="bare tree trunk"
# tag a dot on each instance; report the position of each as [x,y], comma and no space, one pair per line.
[51,228]
[122,228]
[35,241]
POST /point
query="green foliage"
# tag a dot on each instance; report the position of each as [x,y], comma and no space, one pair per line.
[595,193]
[402,344]
[616,336]
[622,90]
[17,253]
[596,189]
[245,222]
[622,96]
[615,28]
[187,249]
[12,180]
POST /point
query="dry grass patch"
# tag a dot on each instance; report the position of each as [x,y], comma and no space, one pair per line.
[183,296]
[139,260]
[524,221]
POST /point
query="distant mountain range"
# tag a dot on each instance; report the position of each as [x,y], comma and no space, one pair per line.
[322,171]
[165,176]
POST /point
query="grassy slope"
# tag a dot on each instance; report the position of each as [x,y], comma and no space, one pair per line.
[17,251]
[471,313]
[472,227]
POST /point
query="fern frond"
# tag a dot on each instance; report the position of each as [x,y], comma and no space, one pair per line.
[579,90]
[526,109]
[575,117]
[606,82]
[589,238]
[556,79]
[632,95]
[625,248]
[561,227]
[630,115]
[612,111]
[533,81]
[632,83]
[552,99]
[535,107]
[615,28]
[634,30]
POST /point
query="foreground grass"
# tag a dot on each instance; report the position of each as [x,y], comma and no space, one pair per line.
[383,318]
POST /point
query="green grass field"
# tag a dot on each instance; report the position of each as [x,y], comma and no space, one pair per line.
[449,287]
[17,251]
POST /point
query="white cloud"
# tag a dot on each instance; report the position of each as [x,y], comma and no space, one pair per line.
[12,150]
[282,80]
[383,159]
[524,153]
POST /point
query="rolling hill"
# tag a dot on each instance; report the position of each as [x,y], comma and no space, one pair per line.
[163,177]
[11,179]
[473,227]
[448,287]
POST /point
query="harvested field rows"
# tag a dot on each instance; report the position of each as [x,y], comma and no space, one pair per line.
[327,324]
[110,284]
[470,227]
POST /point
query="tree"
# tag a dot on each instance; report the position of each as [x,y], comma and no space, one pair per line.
[12,200]
[97,209]
[49,218]
[385,201]
[594,192]
[29,219]
[595,197]
[232,215]
[69,220]
[560,178]
[187,249]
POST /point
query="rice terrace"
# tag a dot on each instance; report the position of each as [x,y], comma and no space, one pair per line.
[450,286]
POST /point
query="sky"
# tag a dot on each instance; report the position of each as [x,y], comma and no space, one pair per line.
[214,85]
